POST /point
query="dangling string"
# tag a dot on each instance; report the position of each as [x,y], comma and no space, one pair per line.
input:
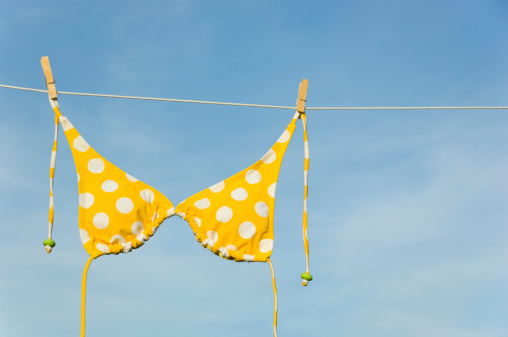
[275,300]
[83,296]
[306,277]
[49,243]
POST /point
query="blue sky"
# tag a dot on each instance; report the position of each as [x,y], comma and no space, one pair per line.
[407,209]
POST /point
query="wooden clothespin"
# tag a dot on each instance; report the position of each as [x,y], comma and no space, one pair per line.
[50,82]
[302,96]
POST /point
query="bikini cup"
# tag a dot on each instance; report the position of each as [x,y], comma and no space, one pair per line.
[234,218]
[117,212]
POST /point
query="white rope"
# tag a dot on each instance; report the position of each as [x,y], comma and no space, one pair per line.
[153,98]
[21,88]
[258,105]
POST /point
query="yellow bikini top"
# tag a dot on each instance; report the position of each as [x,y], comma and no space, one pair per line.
[233,218]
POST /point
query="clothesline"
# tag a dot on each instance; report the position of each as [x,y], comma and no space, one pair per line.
[256,105]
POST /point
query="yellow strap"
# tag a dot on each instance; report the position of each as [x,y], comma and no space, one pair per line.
[275,300]
[306,193]
[83,296]
[49,243]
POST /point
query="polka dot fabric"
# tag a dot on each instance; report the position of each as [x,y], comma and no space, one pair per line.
[117,212]
[234,218]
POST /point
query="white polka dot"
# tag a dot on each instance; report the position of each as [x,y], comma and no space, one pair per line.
[306,149]
[50,202]
[265,245]
[248,258]
[224,214]
[102,247]
[83,234]
[130,178]
[155,216]
[171,212]
[66,125]
[213,235]
[96,165]
[247,230]
[305,205]
[101,220]
[239,194]
[223,252]
[217,187]
[117,239]
[253,176]
[269,157]
[202,204]
[147,195]
[142,237]
[80,144]
[284,137]
[53,160]
[78,177]
[109,186]
[154,229]
[86,200]
[262,209]
[231,247]
[127,247]
[305,177]
[306,235]
[124,205]
[198,221]
[271,190]
[137,228]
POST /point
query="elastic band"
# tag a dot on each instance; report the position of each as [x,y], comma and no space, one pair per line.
[306,276]
[83,295]
[274,299]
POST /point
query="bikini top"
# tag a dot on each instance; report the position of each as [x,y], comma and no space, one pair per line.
[233,218]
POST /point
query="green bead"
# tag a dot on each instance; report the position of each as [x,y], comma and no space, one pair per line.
[49,242]
[307,276]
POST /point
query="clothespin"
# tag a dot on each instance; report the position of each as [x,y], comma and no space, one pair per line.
[50,82]
[302,96]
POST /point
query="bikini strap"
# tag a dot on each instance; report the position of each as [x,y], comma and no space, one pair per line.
[49,243]
[50,84]
[306,277]
[83,295]
[274,299]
